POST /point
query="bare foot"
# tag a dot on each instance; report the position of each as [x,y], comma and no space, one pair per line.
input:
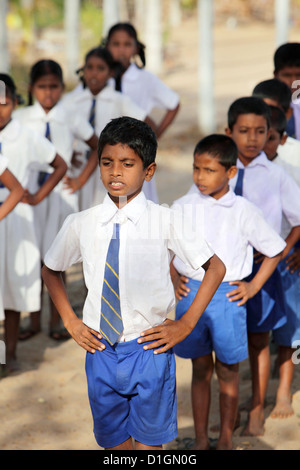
[224,445]
[255,425]
[283,408]
[201,445]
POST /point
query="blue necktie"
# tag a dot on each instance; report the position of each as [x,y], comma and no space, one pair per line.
[239,184]
[111,324]
[92,113]
[1,184]
[43,175]
[290,126]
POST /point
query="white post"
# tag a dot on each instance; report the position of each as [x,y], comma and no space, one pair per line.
[71,18]
[175,13]
[153,35]
[282,17]
[110,15]
[4,59]
[206,105]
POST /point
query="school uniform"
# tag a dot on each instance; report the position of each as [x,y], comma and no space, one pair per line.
[21,261]
[109,104]
[149,92]
[63,130]
[269,187]
[3,167]
[232,226]
[149,234]
[289,158]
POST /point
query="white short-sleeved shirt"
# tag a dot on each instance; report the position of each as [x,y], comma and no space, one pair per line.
[24,149]
[64,127]
[149,236]
[147,90]
[272,189]
[295,103]
[3,163]
[232,227]
[110,104]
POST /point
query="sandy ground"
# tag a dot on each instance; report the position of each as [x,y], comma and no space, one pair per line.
[45,405]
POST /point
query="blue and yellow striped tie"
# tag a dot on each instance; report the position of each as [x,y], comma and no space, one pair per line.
[111,324]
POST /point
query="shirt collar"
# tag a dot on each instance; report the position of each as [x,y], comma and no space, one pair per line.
[10,131]
[132,73]
[261,160]
[226,201]
[132,211]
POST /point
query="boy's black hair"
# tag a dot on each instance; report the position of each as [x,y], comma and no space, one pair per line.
[219,146]
[278,120]
[287,55]
[247,105]
[132,132]
[276,90]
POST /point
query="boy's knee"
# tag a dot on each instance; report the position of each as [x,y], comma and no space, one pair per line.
[258,341]
[203,368]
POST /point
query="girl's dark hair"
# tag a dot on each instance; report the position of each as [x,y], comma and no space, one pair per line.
[40,69]
[10,88]
[132,132]
[248,105]
[276,90]
[101,53]
[218,146]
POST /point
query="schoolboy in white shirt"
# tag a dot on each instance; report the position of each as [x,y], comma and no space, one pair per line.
[233,226]
[125,373]
[269,187]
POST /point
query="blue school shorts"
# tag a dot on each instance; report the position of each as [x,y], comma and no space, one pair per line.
[266,310]
[290,331]
[222,328]
[132,393]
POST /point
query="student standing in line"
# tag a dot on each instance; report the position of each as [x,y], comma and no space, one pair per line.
[21,288]
[125,245]
[46,115]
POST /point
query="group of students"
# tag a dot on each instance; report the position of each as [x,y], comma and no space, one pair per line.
[227,250]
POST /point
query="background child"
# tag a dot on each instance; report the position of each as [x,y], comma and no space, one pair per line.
[142,86]
[269,187]
[143,293]
[232,227]
[287,69]
[46,115]
[7,180]
[286,335]
[98,103]
[22,269]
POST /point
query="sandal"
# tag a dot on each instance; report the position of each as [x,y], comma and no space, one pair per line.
[59,334]
[27,333]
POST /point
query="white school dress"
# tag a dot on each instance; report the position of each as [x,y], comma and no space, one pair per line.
[21,262]
[64,129]
[109,104]
[3,167]
[149,92]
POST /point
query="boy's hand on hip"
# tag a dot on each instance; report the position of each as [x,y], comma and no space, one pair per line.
[165,336]
[86,337]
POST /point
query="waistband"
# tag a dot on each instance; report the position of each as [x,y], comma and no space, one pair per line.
[193,284]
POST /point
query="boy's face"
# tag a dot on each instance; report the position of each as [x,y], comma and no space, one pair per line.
[210,177]
[250,133]
[122,173]
[272,143]
[289,75]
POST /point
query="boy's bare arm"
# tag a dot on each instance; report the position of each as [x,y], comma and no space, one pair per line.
[247,290]
[166,335]
[84,336]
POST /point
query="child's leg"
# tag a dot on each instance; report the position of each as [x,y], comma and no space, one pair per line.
[11,327]
[56,329]
[229,391]
[202,373]
[259,356]
[283,407]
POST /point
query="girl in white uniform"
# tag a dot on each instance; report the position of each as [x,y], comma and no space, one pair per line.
[7,180]
[21,256]
[142,86]
[99,103]
[48,117]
